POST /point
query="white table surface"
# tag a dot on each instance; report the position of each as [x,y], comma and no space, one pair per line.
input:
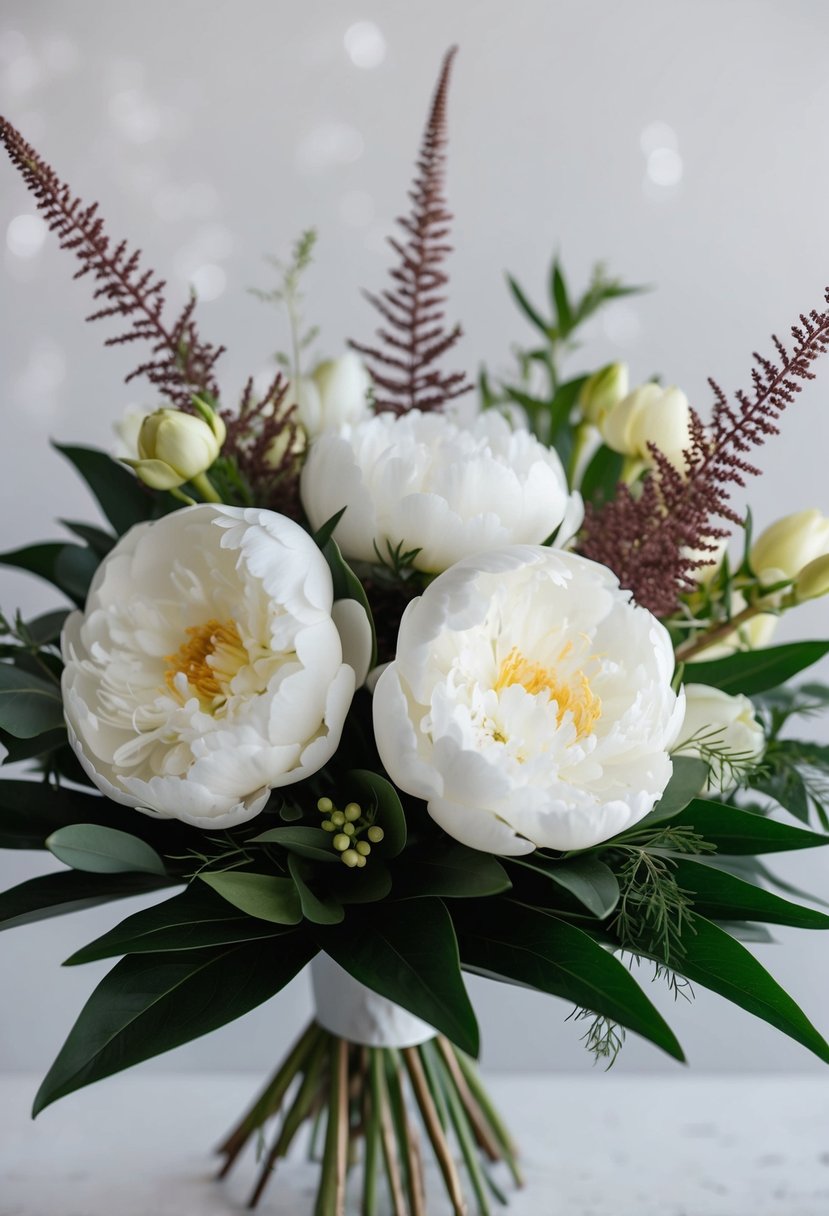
[603,1145]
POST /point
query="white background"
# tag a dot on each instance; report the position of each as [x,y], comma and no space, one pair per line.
[683,142]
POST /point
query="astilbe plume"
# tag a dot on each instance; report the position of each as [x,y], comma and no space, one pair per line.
[265,439]
[650,540]
[181,364]
[404,366]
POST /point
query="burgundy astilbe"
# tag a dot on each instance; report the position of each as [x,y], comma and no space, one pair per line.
[181,363]
[405,364]
[649,540]
[265,440]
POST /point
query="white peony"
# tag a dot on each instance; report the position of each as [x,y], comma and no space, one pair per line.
[530,703]
[206,669]
[334,395]
[722,729]
[424,482]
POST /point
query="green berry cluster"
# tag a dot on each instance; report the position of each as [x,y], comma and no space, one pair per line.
[348,825]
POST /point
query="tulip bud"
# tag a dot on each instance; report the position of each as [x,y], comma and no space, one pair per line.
[334,395]
[603,391]
[788,545]
[722,729]
[650,415]
[813,580]
[174,447]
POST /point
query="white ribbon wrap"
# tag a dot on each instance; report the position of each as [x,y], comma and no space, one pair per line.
[351,1011]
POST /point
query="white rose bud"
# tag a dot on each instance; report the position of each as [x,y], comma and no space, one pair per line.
[723,730]
[603,391]
[174,447]
[650,415]
[790,544]
[336,394]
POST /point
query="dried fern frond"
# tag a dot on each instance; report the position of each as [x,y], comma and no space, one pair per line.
[649,540]
[180,363]
[413,339]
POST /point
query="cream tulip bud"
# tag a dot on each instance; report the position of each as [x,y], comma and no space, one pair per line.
[650,415]
[336,394]
[813,580]
[603,391]
[174,447]
[790,544]
[723,730]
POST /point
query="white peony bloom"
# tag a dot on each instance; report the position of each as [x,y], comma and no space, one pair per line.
[530,703]
[424,482]
[723,730]
[334,395]
[206,669]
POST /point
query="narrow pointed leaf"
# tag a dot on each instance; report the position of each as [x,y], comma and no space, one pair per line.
[737,831]
[533,948]
[589,880]
[530,312]
[320,910]
[150,1003]
[120,495]
[70,891]
[452,872]
[409,955]
[720,895]
[756,671]
[715,960]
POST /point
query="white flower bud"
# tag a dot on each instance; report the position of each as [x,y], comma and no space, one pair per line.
[603,391]
[790,544]
[650,415]
[174,447]
[813,580]
[336,394]
[723,730]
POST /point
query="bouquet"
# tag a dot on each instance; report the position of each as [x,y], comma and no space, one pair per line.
[361,674]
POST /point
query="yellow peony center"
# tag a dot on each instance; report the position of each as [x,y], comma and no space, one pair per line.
[210,658]
[573,695]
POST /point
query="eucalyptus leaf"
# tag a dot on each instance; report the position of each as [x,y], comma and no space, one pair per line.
[587,878]
[103,850]
[150,1003]
[755,671]
[410,956]
[261,895]
[313,843]
[29,705]
[452,871]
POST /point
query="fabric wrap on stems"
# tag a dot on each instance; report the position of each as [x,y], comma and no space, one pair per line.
[349,1010]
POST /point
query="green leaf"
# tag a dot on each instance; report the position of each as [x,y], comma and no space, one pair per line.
[736,831]
[261,895]
[101,850]
[589,880]
[558,290]
[410,956]
[150,1003]
[755,671]
[47,628]
[379,796]
[452,871]
[27,749]
[532,314]
[714,960]
[787,787]
[122,498]
[29,706]
[367,885]
[313,843]
[719,895]
[347,586]
[687,780]
[101,543]
[601,477]
[32,810]
[533,948]
[323,534]
[67,567]
[560,410]
[193,920]
[69,891]
[319,910]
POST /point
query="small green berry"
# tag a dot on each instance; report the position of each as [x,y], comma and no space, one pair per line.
[351,858]
[341,842]
[338,818]
[324,805]
[375,834]
[352,812]
[349,829]
[327,825]
[363,848]
[361,861]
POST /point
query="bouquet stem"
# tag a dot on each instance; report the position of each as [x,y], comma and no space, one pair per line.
[369,1100]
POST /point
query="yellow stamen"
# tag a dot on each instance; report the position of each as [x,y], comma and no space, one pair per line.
[573,696]
[210,659]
